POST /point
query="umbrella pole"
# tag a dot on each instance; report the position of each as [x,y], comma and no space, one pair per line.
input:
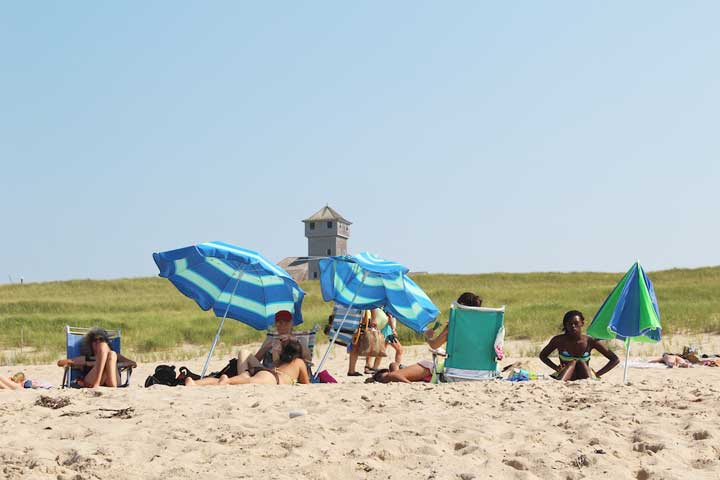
[222,322]
[337,332]
[627,359]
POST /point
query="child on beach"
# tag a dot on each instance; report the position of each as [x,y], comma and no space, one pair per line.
[12,383]
[98,362]
[574,351]
[18,381]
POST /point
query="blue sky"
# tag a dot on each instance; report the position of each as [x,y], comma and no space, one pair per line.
[469,137]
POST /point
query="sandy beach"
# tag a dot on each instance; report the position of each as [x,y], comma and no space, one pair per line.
[663,425]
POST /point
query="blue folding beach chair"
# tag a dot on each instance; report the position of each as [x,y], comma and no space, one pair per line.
[473,334]
[73,347]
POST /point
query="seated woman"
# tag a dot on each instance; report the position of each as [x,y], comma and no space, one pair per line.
[98,362]
[291,369]
[417,372]
[574,351]
[467,299]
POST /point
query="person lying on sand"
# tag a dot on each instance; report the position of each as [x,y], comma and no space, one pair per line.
[574,351]
[98,362]
[11,383]
[18,381]
[417,372]
[290,370]
[671,360]
[467,299]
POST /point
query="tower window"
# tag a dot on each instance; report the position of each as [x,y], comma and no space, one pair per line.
[329,224]
[314,274]
[312,225]
[329,252]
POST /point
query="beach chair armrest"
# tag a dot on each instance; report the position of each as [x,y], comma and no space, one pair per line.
[439,352]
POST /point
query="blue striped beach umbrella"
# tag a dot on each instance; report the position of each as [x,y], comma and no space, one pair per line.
[365,281]
[235,282]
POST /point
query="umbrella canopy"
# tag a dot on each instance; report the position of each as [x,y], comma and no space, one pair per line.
[629,313]
[365,281]
[235,282]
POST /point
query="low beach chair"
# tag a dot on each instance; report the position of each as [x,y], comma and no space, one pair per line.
[473,335]
[73,347]
[305,338]
[349,326]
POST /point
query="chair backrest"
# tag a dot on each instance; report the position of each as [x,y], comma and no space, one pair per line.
[351,323]
[73,347]
[472,332]
[305,338]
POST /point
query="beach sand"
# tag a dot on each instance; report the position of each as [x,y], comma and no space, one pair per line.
[664,425]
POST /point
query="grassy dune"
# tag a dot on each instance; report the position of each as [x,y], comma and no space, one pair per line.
[155,318]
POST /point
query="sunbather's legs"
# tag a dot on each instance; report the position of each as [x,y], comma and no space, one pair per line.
[245,360]
[101,351]
[568,371]
[582,371]
[189,382]
[398,351]
[110,376]
[261,377]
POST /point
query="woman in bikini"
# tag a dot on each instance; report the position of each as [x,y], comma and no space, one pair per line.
[417,372]
[290,370]
[99,363]
[574,351]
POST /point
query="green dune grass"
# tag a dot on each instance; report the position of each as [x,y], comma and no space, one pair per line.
[155,318]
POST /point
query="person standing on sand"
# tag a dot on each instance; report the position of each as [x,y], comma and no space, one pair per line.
[387,325]
[574,351]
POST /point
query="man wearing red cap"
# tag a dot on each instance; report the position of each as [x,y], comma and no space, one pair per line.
[283,325]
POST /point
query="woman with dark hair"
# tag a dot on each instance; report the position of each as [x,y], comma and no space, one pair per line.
[98,362]
[467,299]
[417,372]
[291,369]
[574,351]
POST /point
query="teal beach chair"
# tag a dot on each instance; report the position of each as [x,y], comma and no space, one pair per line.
[473,334]
[73,346]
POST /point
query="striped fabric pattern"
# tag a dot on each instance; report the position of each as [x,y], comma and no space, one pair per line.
[367,281]
[216,274]
[352,322]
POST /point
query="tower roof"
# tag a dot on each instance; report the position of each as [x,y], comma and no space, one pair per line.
[326,213]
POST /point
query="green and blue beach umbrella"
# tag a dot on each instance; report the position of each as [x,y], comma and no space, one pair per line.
[235,282]
[630,313]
